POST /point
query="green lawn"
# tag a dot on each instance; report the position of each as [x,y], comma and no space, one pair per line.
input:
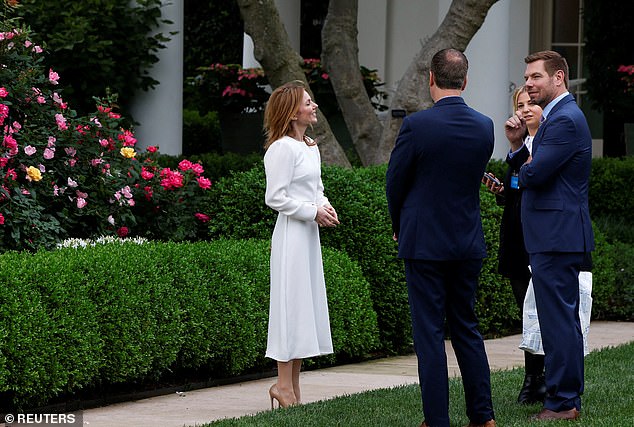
[608,401]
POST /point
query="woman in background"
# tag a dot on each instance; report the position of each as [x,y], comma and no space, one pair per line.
[299,326]
[513,258]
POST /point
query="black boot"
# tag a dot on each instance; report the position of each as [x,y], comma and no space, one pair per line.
[526,393]
[534,387]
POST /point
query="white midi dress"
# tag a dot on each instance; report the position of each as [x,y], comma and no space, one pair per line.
[299,326]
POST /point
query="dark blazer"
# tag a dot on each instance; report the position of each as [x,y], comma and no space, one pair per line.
[512,256]
[555,213]
[433,182]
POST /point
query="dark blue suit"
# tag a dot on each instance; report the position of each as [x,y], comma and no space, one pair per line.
[558,235]
[433,186]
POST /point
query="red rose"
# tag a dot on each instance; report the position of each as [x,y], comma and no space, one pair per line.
[123,231]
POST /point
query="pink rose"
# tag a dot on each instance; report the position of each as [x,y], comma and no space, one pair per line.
[185,165]
[197,168]
[49,153]
[204,183]
[53,77]
[202,217]
[61,122]
[146,174]
[123,231]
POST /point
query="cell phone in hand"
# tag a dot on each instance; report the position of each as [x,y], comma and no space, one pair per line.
[492,178]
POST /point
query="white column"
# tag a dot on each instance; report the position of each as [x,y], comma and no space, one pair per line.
[159,111]
[488,81]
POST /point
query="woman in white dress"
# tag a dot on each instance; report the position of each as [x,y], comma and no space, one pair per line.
[299,326]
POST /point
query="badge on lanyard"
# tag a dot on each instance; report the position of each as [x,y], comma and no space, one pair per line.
[515,181]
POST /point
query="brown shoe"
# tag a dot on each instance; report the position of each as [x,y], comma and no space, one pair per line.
[547,415]
[490,423]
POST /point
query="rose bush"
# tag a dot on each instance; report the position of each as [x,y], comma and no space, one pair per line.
[66,176]
[228,88]
[231,88]
[319,81]
[628,77]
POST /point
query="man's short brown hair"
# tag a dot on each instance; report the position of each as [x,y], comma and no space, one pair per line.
[553,62]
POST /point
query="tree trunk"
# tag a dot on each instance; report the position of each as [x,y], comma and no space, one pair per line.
[282,64]
[463,20]
[340,57]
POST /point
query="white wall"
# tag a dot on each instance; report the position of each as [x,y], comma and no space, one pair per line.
[160,111]
[391,33]
[289,11]
[488,79]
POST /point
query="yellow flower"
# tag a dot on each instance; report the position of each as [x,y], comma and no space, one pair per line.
[128,152]
[33,173]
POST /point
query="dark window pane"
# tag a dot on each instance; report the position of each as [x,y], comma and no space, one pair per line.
[566,21]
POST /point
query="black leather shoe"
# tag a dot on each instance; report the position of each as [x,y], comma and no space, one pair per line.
[533,390]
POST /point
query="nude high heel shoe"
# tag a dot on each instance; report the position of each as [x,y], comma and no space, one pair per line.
[274,394]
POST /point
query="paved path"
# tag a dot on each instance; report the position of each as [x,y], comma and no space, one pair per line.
[202,406]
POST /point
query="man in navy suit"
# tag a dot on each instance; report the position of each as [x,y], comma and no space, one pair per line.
[556,224]
[433,186]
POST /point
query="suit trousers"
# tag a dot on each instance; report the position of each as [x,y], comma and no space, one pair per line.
[447,288]
[556,285]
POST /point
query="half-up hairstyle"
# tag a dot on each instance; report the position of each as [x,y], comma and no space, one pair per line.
[282,106]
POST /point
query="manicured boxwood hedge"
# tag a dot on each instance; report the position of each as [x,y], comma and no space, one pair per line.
[610,195]
[237,209]
[76,319]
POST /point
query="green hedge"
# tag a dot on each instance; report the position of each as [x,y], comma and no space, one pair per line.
[610,190]
[79,319]
[609,193]
[611,200]
[201,134]
[612,279]
[365,234]
[238,211]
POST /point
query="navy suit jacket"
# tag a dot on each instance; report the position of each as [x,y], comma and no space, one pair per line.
[433,182]
[555,214]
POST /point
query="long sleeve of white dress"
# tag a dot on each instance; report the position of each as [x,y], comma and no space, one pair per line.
[288,190]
